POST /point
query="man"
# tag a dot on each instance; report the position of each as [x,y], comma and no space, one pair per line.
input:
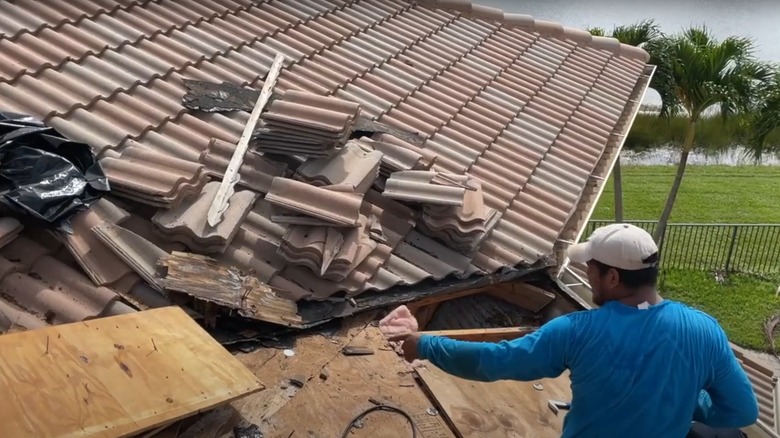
[640,366]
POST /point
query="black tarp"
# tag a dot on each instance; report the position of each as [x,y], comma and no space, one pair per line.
[44,177]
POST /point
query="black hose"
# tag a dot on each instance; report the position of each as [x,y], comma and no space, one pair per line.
[380,408]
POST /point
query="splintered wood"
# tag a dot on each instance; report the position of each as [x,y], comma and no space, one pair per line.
[114,377]
[220,203]
[206,279]
[500,409]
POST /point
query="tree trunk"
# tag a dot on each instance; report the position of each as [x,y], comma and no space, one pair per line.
[617,179]
[660,229]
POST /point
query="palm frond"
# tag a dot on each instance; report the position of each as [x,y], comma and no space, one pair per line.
[765,117]
[637,34]
[596,31]
[663,79]
[707,72]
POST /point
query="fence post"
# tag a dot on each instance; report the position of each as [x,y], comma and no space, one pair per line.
[731,248]
[661,243]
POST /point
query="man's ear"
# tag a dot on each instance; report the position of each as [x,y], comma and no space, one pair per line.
[613,278]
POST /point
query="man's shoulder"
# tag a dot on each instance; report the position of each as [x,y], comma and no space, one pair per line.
[687,311]
[675,309]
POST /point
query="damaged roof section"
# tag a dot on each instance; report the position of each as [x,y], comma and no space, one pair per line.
[403,142]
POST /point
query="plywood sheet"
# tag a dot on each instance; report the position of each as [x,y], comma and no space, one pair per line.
[114,377]
[313,352]
[500,409]
[324,407]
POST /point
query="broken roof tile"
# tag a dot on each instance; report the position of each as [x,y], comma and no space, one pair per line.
[138,253]
[342,209]
[9,230]
[187,223]
[350,165]
[256,171]
[97,260]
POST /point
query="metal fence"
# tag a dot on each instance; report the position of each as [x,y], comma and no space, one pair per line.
[710,247]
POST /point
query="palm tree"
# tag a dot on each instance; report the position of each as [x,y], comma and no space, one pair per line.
[765,117]
[638,34]
[701,74]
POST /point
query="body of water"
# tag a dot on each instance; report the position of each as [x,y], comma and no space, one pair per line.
[756,19]
[671,156]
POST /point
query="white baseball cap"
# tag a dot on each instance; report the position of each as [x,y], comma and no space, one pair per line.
[622,246]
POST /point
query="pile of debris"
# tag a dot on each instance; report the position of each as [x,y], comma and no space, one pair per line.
[313,200]
[339,195]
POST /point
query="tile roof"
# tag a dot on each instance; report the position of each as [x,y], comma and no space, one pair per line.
[533,110]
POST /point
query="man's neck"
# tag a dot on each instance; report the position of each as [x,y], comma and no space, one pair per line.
[647,295]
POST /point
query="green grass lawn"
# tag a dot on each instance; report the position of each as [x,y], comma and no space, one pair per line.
[709,194]
[741,305]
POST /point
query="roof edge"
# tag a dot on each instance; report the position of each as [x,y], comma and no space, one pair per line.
[547,28]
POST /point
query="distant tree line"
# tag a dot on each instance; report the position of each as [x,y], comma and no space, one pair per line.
[714,134]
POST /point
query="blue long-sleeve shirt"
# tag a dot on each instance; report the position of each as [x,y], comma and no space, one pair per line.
[634,372]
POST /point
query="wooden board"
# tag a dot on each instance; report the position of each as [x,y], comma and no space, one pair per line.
[113,377]
[500,409]
[324,408]
[524,295]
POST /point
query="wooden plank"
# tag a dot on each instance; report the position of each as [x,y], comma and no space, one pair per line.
[324,408]
[313,352]
[113,377]
[484,335]
[499,409]
[524,295]
[206,279]
[231,177]
[438,299]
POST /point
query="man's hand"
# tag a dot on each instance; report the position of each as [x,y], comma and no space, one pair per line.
[408,346]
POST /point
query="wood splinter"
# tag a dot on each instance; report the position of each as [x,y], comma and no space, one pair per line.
[357,351]
[220,203]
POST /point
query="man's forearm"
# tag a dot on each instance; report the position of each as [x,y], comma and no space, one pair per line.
[459,358]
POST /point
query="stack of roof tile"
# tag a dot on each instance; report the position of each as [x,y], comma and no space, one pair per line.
[329,252]
[153,178]
[398,155]
[463,227]
[304,124]
[530,108]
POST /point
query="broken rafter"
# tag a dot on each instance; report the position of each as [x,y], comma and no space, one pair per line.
[206,279]
[231,177]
